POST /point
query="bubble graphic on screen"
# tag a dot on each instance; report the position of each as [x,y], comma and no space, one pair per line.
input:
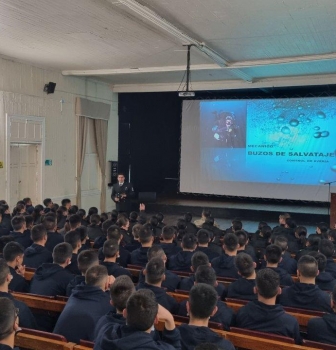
[301,115]
[216,136]
[324,133]
[333,168]
[281,118]
[285,130]
[322,181]
[299,107]
[317,135]
[294,122]
[321,115]
[216,159]
[317,128]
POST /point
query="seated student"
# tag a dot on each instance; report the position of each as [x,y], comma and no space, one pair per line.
[305,294]
[324,280]
[142,311]
[123,224]
[160,218]
[224,265]
[261,240]
[48,203]
[244,246]
[111,253]
[66,202]
[82,214]
[53,279]
[85,243]
[99,241]
[191,228]
[86,305]
[54,238]
[85,260]
[154,275]
[203,240]
[205,214]
[3,241]
[37,254]
[167,243]
[287,262]
[323,329]
[264,314]
[120,291]
[273,257]
[9,324]
[27,319]
[13,254]
[29,222]
[224,314]
[94,229]
[75,222]
[154,222]
[201,306]
[321,231]
[182,260]
[20,234]
[74,239]
[139,256]
[215,232]
[280,230]
[243,288]
[135,238]
[172,280]
[312,244]
[331,236]
[326,247]
[4,230]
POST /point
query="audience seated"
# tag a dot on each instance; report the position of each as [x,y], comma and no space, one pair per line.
[9,323]
[327,248]
[321,230]
[75,222]
[312,244]
[264,314]
[244,246]
[123,224]
[135,238]
[94,230]
[146,238]
[324,280]
[74,239]
[243,288]
[287,262]
[54,238]
[182,260]
[20,233]
[205,214]
[168,244]
[261,240]
[305,294]
[216,233]
[203,240]
[280,230]
[86,305]
[191,227]
[202,304]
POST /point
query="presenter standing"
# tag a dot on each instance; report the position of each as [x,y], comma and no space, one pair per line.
[122,192]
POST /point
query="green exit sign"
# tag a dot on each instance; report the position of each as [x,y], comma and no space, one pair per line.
[48,162]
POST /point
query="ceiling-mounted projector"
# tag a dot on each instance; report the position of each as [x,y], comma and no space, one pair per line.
[186,94]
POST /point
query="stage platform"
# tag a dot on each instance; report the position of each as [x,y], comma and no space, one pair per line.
[246,209]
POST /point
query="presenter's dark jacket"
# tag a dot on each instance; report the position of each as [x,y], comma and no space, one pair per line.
[27,319]
[109,321]
[84,308]
[22,238]
[171,281]
[268,318]
[322,329]
[128,338]
[224,314]
[331,267]
[225,266]
[191,336]
[325,281]
[124,256]
[115,270]
[18,283]
[305,296]
[36,255]
[170,249]
[50,279]
[181,261]
[124,205]
[54,238]
[162,298]
[76,281]
[208,252]
[139,256]
[288,263]
[242,289]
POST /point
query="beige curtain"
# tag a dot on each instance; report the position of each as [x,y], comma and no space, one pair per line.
[100,130]
[82,137]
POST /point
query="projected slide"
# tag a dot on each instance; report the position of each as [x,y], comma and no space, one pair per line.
[276,148]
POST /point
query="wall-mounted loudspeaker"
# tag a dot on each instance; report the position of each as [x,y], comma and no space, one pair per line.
[49,88]
[114,172]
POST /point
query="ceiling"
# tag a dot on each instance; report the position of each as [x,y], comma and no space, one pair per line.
[254,42]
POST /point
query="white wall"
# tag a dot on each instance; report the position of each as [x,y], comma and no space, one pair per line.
[21,93]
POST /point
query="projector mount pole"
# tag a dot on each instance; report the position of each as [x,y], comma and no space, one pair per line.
[188,65]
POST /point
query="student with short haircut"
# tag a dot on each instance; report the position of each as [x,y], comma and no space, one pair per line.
[85,260]
[74,239]
[135,238]
[66,202]
[20,233]
[167,243]
[243,288]
[123,224]
[13,254]
[203,239]
[27,319]
[37,254]
[182,260]
[48,203]
[120,291]
[244,246]
[287,262]
[111,253]
[142,311]
[327,248]
[54,238]
[202,304]
[273,257]
[305,294]
[324,280]
[224,314]
[75,221]
[94,229]
[206,213]
[323,329]
[224,265]
[86,305]
[139,256]
[9,324]
[264,314]
[154,275]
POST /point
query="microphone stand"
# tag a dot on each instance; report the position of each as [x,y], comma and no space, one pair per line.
[329,193]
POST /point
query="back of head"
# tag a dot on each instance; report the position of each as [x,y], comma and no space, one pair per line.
[242,238]
[332,235]
[95,219]
[307,266]
[106,224]
[136,230]
[323,227]
[12,250]
[4,271]
[8,316]
[18,222]
[187,217]
[113,232]
[202,301]
[4,240]
[92,211]
[29,221]
[314,241]
[206,213]
[38,233]
[267,283]
[86,259]
[156,252]
[273,254]
[121,289]
[73,210]
[244,264]
[154,221]
[122,221]
[96,275]
[142,309]
[327,248]
[198,259]
[145,234]
[230,242]
[291,223]
[82,230]
[160,217]
[110,248]
[189,242]
[301,231]
[206,274]
[321,260]
[203,236]
[266,231]
[47,201]
[168,232]
[81,213]
[49,222]
[237,225]
[282,242]
[155,270]
[74,221]
[133,216]
[65,202]
[73,238]
[61,253]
